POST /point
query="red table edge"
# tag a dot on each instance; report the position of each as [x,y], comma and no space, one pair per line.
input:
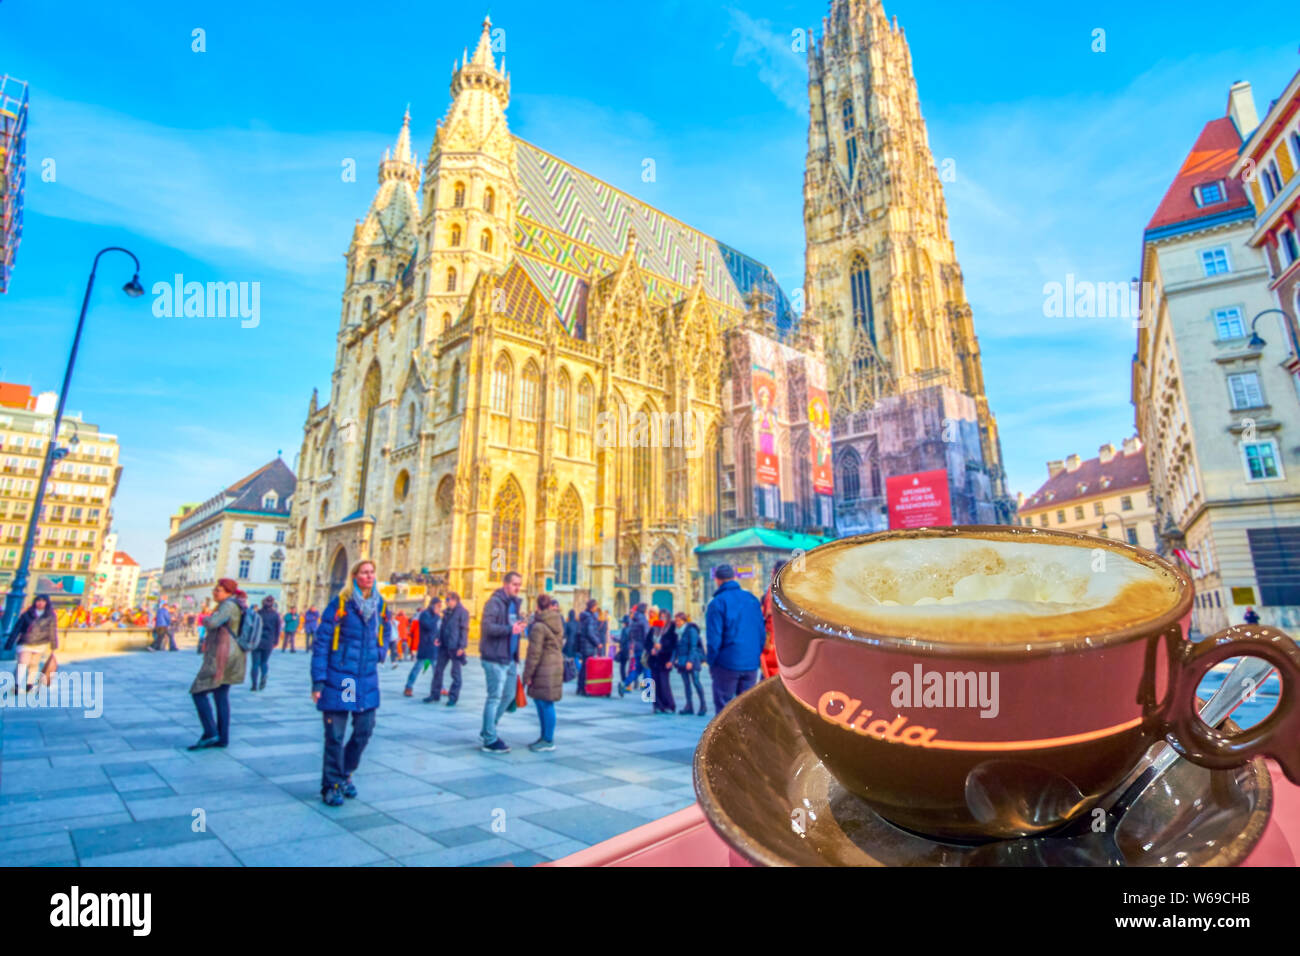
[685,838]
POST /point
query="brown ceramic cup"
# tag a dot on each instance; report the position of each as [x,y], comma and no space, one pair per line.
[1077,703]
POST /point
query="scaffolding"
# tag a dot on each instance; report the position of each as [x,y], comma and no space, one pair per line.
[13,171]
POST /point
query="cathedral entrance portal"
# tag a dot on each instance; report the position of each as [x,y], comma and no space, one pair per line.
[663,600]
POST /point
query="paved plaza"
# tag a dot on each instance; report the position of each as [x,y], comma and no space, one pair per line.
[121,789]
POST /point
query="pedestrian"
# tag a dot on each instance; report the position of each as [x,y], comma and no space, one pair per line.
[428,621]
[162,622]
[1250,616]
[203,627]
[270,637]
[735,634]
[399,625]
[310,622]
[768,660]
[452,645]
[544,668]
[586,643]
[689,658]
[291,631]
[35,631]
[347,648]
[662,653]
[631,641]
[604,632]
[499,632]
[223,664]
[189,624]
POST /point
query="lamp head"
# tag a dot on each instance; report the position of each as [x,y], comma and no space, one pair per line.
[1255,341]
[133,288]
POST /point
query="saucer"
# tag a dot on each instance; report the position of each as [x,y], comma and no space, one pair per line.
[773,801]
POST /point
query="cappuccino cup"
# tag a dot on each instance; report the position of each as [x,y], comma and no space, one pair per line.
[990,682]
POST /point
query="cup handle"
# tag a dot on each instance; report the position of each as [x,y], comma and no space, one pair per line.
[1278,735]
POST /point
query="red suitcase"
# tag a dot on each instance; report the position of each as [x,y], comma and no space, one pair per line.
[599,679]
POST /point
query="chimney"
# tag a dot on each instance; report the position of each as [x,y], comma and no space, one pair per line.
[1106,453]
[1132,445]
[1241,108]
[1054,468]
[1072,463]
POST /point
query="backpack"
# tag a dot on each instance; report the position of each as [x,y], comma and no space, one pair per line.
[250,631]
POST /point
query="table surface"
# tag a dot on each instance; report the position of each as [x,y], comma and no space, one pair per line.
[685,838]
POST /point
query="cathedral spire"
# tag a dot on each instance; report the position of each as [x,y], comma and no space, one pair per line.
[399,162]
[483,53]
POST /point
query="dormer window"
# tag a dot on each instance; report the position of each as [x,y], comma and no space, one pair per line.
[1207,194]
[270,501]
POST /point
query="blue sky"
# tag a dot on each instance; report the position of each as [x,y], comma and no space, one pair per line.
[224,166]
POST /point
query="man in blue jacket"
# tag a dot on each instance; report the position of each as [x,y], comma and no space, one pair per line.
[428,621]
[498,648]
[735,635]
[350,643]
[453,642]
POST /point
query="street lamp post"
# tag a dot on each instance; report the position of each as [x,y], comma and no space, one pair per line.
[18,587]
[1122,527]
[1257,342]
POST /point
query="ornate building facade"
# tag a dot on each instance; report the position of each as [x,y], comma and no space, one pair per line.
[883,284]
[530,375]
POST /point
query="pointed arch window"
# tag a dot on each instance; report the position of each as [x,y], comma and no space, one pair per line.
[507,526]
[528,389]
[568,532]
[851,476]
[501,374]
[562,401]
[365,308]
[850,139]
[662,565]
[485,241]
[489,200]
[583,423]
[860,287]
[446,321]
[451,280]
[458,195]
[455,236]
[455,387]
[445,499]
[410,421]
[371,275]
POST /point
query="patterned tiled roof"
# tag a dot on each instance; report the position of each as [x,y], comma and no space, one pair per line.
[570,224]
[1090,479]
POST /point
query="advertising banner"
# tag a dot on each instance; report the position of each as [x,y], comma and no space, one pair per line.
[819,437]
[765,415]
[919,500]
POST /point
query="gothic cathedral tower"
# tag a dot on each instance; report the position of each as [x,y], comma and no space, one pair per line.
[882,281]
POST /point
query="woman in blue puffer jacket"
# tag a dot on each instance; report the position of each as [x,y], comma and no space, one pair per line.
[350,643]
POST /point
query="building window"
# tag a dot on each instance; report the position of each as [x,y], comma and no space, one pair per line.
[1215,261]
[528,393]
[370,277]
[455,388]
[584,405]
[1097,509]
[244,565]
[248,534]
[485,241]
[501,385]
[403,486]
[851,476]
[1245,390]
[455,236]
[1060,517]
[1042,519]
[1132,535]
[365,308]
[1126,503]
[850,140]
[1294,140]
[279,536]
[661,566]
[1261,460]
[275,570]
[507,525]
[458,195]
[1287,243]
[1208,194]
[489,200]
[1272,180]
[1228,323]
[860,290]
[451,280]
[562,401]
[270,501]
[568,532]
[1078,512]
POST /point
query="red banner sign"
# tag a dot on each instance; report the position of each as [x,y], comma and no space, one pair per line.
[919,500]
[765,425]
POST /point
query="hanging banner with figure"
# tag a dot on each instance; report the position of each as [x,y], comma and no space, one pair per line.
[819,431]
[763,382]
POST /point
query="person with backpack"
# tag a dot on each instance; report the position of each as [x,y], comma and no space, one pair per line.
[351,641]
[36,630]
[270,637]
[223,664]
[452,641]
[689,659]
[290,631]
[426,649]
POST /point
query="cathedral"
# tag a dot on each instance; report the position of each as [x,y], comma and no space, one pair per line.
[538,372]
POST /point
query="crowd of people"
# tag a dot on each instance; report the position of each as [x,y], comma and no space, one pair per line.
[357,633]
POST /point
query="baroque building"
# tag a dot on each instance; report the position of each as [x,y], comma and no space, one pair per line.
[530,375]
[883,285]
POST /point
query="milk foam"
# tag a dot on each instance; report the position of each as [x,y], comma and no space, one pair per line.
[931,584]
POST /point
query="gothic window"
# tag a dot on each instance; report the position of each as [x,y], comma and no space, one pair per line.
[489,199]
[365,308]
[410,421]
[330,465]
[445,499]
[851,476]
[446,321]
[583,423]
[501,374]
[568,532]
[528,393]
[860,287]
[455,236]
[562,401]
[850,141]
[507,526]
[459,195]
[451,280]
[661,565]
[455,388]
[324,511]
[371,277]
[424,284]
[403,486]
[485,241]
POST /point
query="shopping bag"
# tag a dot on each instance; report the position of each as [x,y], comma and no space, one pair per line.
[570,670]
